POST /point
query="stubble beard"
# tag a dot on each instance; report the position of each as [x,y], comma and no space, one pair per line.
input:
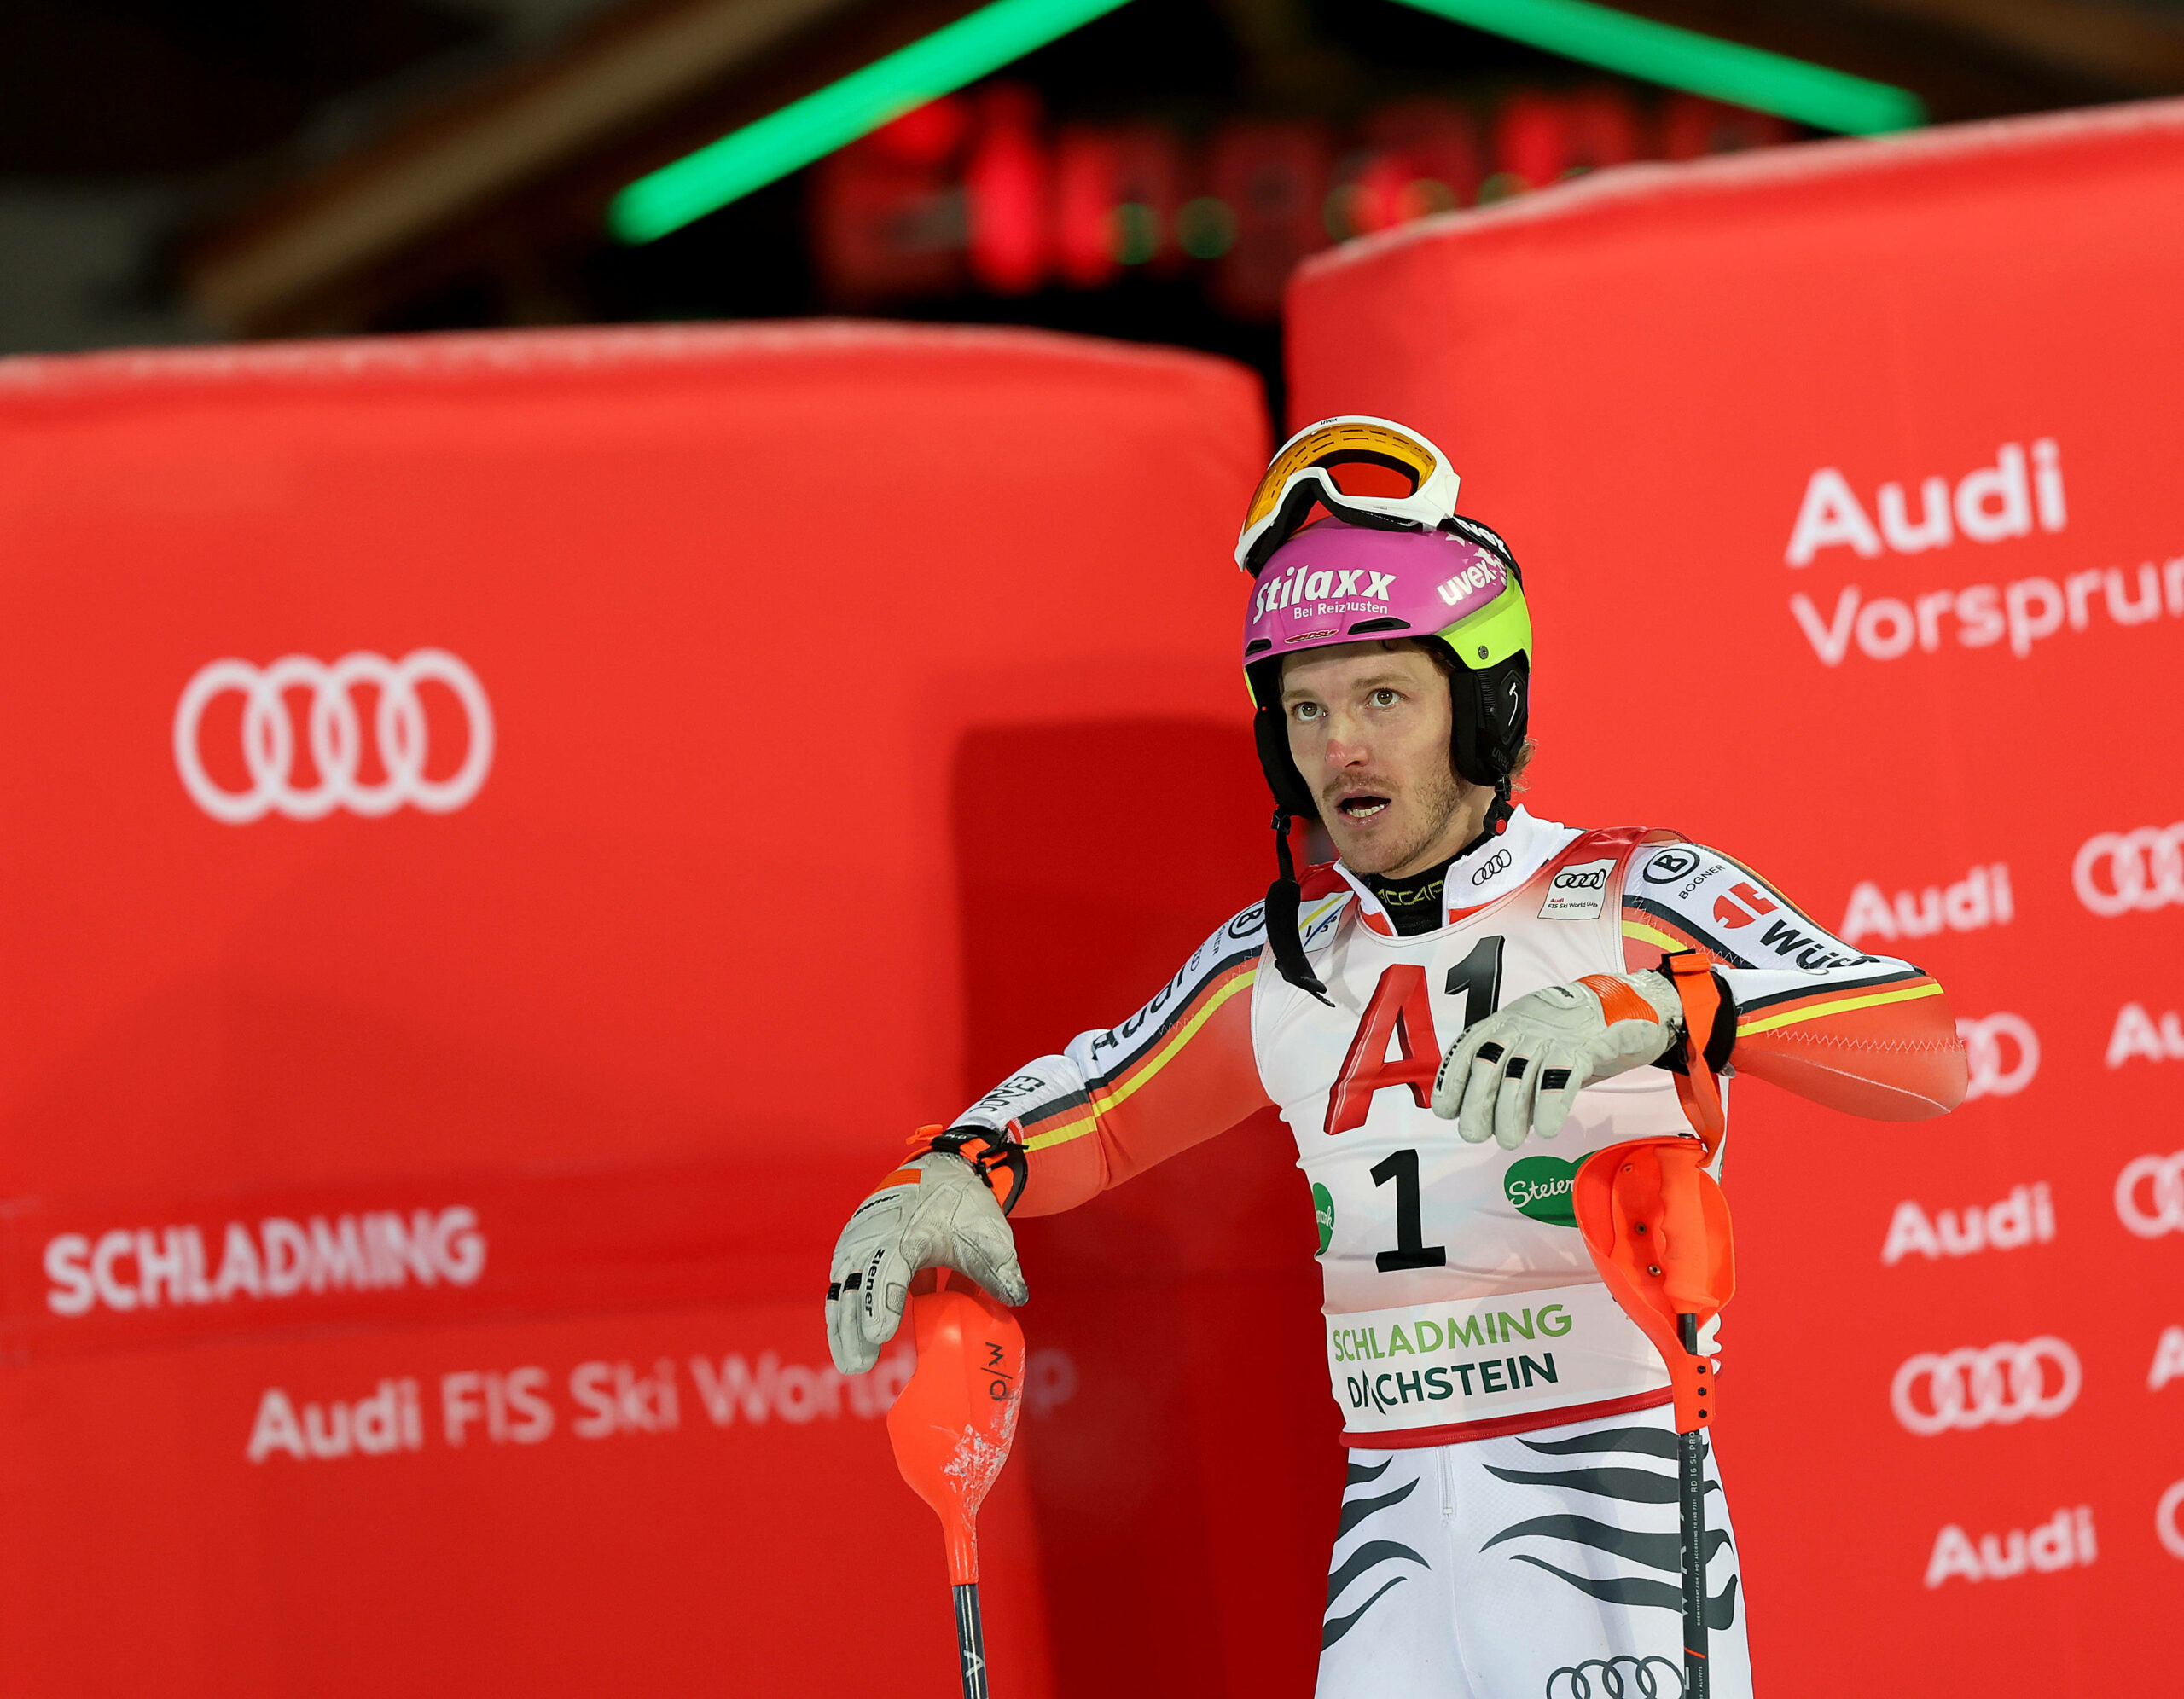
[1438,803]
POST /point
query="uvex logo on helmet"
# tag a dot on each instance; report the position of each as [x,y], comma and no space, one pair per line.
[1302,583]
[1476,577]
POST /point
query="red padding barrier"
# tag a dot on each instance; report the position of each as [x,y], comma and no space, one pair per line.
[491,824]
[1845,481]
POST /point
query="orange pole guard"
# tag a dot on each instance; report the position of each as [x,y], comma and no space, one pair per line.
[1656,1225]
[953,1425]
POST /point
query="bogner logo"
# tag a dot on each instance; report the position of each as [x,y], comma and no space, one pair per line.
[1476,576]
[1669,866]
[1578,892]
[1303,584]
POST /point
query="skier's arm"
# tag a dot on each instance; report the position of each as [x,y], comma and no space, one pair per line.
[1058,1131]
[1115,1102]
[1869,1035]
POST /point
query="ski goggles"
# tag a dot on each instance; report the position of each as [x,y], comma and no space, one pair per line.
[1370,471]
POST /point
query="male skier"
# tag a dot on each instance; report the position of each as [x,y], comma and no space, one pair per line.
[1509,1524]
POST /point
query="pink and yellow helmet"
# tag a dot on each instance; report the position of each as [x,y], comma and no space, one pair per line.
[1353,534]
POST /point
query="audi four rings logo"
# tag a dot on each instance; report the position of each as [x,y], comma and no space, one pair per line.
[334,734]
[2002,1053]
[1934,1392]
[1498,862]
[1575,1682]
[1593,879]
[2150,1195]
[2116,872]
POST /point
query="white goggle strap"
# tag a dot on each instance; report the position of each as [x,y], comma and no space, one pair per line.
[1313,484]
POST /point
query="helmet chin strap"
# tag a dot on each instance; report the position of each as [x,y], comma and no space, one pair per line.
[1497,816]
[1283,899]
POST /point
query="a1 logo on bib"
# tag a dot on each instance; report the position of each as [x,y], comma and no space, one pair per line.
[1539,1186]
[1578,892]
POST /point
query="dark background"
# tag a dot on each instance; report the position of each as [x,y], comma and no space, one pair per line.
[148,148]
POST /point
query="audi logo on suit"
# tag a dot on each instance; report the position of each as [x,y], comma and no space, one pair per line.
[334,734]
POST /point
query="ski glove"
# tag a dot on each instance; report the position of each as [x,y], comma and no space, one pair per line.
[1522,1068]
[939,1210]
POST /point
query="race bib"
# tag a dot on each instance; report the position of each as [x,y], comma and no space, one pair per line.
[1431,1366]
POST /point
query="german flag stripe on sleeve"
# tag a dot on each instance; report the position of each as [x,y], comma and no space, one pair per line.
[1840,1000]
[1078,1115]
[1654,923]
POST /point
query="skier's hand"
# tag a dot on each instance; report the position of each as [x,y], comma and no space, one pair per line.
[937,1211]
[1521,1069]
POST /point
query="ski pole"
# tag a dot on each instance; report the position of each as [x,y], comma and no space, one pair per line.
[951,1430]
[1691,1499]
[1657,1229]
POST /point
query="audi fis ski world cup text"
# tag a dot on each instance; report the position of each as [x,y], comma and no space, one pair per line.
[2020,496]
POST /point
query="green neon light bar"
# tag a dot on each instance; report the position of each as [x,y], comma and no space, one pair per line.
[1701,65]
[980,44]
[972,47]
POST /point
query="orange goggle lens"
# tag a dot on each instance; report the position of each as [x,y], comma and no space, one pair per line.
[1363,459]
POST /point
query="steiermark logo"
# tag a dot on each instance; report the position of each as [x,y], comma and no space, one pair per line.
[1539,1186]
[1323,1211]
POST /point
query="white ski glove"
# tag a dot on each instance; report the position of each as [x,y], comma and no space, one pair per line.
[938,1210]
[1522,1068]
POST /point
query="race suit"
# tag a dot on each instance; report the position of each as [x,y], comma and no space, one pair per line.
[1511,1515]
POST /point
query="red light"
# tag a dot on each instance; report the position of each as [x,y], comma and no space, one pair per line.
[1531,139]
[1691,126]
[1005,185]
[1087,176]
[1603,129]
[925,135]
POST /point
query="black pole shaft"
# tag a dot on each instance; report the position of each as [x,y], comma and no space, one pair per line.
[971,1640]
[1691,1458]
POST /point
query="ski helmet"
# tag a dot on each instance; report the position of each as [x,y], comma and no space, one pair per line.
[1377,565]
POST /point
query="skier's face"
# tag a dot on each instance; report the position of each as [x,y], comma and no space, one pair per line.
[1369,728]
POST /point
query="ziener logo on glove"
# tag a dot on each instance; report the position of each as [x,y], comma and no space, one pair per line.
[333,736]
[2002,1053]
[2116,872]
[1966,1389]
[2150,1195]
